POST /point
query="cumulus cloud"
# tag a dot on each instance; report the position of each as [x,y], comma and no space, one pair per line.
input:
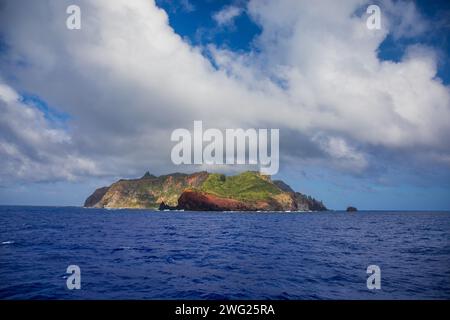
[227,15]
[31,149]
[404,21]
[127,80]
[341,153]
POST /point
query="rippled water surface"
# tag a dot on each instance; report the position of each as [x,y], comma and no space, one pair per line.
[139,254]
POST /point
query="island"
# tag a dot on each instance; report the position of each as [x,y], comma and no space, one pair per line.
[203,191]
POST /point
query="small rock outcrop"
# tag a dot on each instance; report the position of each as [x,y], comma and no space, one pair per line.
[164,206]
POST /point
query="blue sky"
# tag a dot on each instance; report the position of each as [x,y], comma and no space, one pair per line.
[198,26]
[93,106]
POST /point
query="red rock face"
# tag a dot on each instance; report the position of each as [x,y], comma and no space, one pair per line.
[198,201]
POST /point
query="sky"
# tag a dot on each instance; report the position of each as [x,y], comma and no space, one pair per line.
[363,114]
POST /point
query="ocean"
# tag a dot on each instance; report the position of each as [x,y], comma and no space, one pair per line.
[142,254]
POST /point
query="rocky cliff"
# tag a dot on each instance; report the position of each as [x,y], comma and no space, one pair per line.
[203,191]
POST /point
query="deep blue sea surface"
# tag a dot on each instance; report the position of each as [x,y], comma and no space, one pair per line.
[139,254]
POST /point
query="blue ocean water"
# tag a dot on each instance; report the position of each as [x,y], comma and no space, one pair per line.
[140,254]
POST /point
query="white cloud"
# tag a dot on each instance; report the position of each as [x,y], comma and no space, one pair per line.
[128,80]
[31,149]
[227,15]
[403,19]
[341,154]
[187,5]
